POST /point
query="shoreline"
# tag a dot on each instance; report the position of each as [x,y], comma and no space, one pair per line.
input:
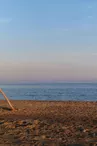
[51,122]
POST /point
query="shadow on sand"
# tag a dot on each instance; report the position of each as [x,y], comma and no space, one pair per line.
[5,108]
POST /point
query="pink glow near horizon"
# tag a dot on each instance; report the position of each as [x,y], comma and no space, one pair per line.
[29,72]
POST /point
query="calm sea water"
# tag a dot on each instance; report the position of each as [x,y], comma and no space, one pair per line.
[59,91]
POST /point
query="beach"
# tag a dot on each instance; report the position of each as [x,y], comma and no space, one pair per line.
[48,123]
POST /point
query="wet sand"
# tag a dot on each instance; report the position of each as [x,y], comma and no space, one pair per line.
[52,123]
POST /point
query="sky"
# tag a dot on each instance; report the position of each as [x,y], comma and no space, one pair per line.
[48,41]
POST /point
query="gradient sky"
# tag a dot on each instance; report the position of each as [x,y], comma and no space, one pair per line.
[48,40]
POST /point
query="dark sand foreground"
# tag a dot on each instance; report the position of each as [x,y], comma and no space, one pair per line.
[42,123]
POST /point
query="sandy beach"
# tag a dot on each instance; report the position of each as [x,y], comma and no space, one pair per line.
[48,123]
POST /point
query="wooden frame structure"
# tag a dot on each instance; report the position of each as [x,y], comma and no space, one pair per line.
[4,95]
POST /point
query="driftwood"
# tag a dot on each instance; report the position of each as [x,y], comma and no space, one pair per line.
[4,95]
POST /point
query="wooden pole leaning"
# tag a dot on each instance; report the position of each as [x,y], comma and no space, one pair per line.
[4,95]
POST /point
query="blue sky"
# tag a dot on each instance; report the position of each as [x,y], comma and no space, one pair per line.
[48,40]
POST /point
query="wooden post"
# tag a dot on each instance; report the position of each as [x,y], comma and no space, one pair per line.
[7,99]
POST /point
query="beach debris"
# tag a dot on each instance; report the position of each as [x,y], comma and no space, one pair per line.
[4,95]
[36,122]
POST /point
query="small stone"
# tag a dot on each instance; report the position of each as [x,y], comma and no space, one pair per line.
[36,122]
[43,137]
[81,129]
[37,138]
[92,134]
[86,130]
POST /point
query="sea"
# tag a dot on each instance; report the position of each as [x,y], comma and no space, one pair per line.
[52,91]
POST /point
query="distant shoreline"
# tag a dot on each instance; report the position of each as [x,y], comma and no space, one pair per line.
[37,83]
